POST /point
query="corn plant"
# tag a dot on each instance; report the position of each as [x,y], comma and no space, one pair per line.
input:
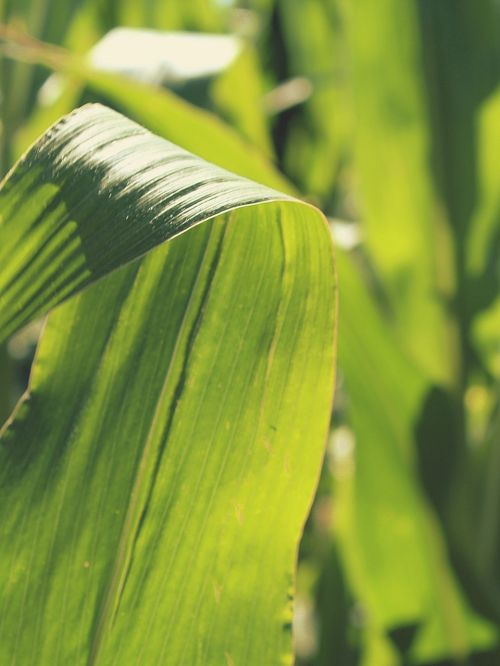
[160,467]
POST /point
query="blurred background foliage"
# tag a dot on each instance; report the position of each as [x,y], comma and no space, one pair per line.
[386,115]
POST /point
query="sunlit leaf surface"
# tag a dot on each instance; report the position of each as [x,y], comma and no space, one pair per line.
[155,479]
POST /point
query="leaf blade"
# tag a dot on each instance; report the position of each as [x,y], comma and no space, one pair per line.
[64,478]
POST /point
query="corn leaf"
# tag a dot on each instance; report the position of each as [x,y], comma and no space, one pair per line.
[156,476]
[406,229]
[403,575]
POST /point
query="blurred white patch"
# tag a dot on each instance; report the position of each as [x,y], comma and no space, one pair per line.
[305,633]
[347,235]
[51,90]
[288,94]
[164,57]
[341,452]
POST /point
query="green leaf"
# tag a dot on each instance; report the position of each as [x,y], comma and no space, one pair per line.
[155,479]
[5,386]
[406,229]
[426,84]
[317,139]
[393,548]
[238,96]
